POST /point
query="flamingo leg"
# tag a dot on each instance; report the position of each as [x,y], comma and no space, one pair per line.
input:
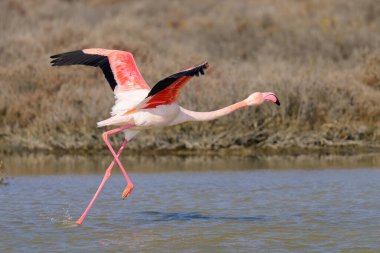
[128,189]
[108,174]
[105,178]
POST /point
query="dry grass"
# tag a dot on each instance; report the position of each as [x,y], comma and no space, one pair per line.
[322,58]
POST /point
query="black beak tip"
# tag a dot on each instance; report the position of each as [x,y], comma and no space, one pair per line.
[278,102]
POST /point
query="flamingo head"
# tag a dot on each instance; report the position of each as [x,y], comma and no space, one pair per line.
[258,98]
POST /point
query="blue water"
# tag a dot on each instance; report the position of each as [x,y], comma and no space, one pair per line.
[223,211]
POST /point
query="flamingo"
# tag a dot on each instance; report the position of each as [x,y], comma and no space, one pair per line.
[138,107]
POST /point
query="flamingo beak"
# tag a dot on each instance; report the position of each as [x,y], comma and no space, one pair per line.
[269,96]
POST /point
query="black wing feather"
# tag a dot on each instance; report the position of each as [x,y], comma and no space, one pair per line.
[80,58]
[164,83]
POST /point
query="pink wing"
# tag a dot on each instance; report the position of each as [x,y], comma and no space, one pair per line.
[167,90]
[119,67]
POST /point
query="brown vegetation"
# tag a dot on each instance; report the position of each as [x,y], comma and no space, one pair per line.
[320,57]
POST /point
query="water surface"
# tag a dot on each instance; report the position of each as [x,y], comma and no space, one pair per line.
[229,210]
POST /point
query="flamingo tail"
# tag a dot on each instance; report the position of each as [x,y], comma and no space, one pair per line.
[115,120]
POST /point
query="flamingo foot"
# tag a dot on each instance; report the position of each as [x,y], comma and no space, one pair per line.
[127,191]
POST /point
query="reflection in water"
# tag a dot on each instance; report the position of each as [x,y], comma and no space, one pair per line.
[3,175]
[40,164]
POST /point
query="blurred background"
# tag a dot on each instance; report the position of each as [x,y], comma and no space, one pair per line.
[302,177]
[322,58]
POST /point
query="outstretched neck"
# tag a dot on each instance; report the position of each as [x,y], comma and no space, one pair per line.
[187,115]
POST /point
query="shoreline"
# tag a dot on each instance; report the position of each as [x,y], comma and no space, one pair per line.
[33,164]
[342,148]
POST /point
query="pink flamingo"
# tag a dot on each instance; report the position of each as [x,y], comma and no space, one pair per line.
[137,106]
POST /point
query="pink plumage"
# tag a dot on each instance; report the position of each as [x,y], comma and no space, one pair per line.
[139,107]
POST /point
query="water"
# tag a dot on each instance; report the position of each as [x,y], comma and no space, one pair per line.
[250,210]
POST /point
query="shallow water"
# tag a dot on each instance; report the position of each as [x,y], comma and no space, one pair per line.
[251,210]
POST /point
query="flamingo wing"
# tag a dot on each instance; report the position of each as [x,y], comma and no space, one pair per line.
[119,67]
[167,90]
[120,70]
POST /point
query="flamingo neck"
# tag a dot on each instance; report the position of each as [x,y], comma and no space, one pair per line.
[188,115]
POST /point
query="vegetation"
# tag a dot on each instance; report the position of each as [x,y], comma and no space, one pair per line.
[3,176]
[322,58]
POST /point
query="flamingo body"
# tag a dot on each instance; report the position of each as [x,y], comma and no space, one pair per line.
[139,107]
[159,116]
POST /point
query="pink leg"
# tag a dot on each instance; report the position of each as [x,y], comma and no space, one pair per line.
[108,172]
[125,142]
[127,191]
[105,178]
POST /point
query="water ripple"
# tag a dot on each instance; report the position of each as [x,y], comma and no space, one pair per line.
[185,216]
